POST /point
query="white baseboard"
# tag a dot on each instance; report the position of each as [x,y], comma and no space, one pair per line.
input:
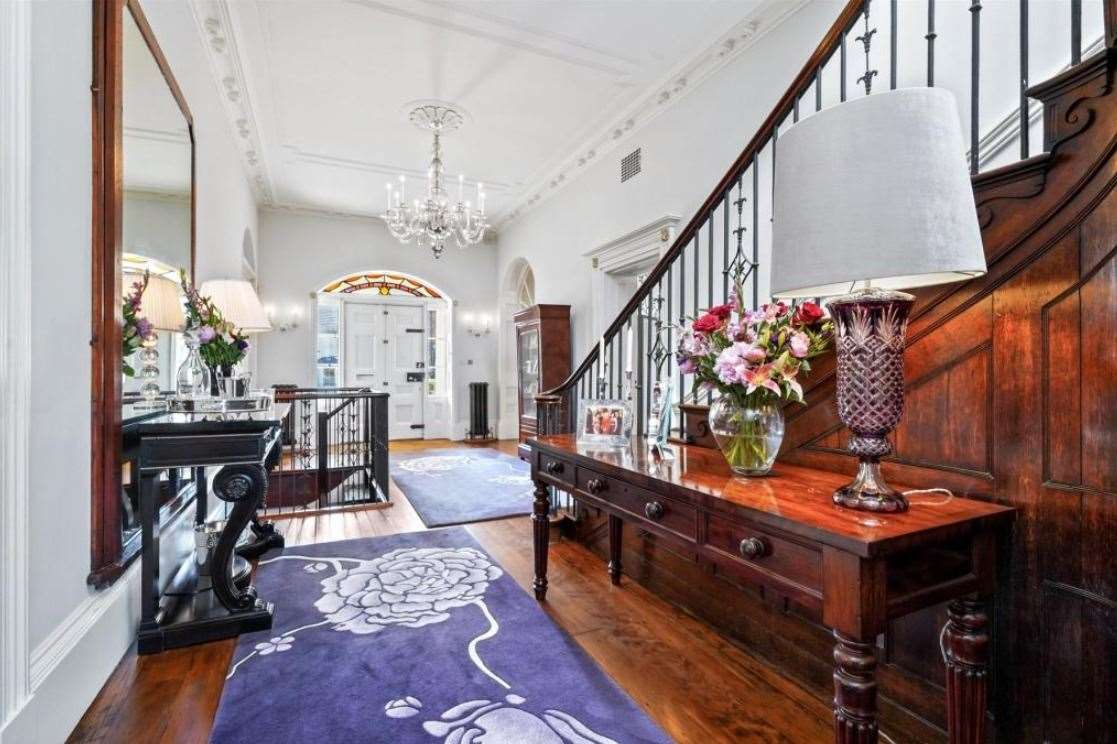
[70,666]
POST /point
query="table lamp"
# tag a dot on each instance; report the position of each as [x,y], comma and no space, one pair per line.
[161,305]
[873,196]
[238,302]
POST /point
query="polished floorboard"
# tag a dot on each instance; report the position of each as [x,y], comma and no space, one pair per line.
[697,685]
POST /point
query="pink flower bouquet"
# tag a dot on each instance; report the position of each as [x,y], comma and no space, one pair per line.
[753,359]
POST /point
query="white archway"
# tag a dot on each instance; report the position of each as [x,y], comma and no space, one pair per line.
[517,291]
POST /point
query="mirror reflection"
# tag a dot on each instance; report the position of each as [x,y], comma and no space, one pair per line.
[156,244]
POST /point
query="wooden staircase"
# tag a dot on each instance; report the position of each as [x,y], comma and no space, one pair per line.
[1011,382]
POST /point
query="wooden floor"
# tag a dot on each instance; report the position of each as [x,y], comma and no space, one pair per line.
[697,685]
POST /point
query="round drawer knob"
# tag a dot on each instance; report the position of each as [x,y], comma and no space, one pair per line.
[753,547]
[596,485]
[653,510]
[554,468]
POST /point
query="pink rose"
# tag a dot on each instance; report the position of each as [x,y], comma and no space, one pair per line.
[800,344]
[708,323]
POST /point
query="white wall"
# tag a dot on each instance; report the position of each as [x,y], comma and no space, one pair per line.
[298,253]
[77,635]
[686,150]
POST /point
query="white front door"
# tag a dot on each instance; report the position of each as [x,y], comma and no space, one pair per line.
[406,371]
[384,351]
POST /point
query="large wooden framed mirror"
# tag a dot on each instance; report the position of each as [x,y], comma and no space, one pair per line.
[143,220]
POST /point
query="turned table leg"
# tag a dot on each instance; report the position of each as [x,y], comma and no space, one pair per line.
[616,530]
[966,655]
[541,530]
[855,691]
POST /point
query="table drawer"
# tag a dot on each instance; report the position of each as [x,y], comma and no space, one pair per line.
[649,507]
[555,469]
[758,548]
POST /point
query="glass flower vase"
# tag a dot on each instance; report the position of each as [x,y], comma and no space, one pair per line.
[749,435]
[193,375]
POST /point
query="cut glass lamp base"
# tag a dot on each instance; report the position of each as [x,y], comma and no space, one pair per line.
[869,492]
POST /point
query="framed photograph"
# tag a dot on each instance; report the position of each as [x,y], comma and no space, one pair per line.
[603,421]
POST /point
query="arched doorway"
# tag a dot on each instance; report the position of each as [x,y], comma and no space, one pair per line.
[389,331]
[517,292]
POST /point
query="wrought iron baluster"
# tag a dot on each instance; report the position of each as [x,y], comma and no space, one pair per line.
[795,110]
[697,276]
[755,231]
[1075,31]
[892,44]
[930,36]
[842,58]
[818,89]
[866,40]
[710,266]
[682,320]
[1024,144]
[725,240]
[975,83]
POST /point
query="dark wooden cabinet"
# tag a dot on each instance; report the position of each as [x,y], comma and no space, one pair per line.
[543,360]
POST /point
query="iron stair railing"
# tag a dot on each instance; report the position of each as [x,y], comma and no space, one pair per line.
[728,236]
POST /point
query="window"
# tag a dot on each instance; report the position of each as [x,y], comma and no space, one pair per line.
[327,348]
[436,351]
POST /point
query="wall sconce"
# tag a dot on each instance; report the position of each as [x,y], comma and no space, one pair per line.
[284,320]
[477,325]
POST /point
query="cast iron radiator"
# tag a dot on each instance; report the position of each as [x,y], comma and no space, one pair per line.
[479,411]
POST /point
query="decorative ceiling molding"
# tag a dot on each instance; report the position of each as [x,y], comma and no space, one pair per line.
[158,135]
[296,155]
[668,91]
[219,35]
[490,27]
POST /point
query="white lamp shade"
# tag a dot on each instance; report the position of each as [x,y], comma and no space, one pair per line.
[161,303]
[238,303]
[874,189]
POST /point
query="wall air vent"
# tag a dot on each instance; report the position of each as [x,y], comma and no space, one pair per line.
[630,165]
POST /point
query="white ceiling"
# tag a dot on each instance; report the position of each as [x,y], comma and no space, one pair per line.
[316,91]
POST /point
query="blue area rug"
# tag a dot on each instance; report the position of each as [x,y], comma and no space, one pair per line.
[418,638]
[468,484]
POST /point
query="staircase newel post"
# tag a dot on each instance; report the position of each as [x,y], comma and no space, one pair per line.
[549,414]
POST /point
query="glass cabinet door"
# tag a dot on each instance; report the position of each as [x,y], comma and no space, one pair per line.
[528,356]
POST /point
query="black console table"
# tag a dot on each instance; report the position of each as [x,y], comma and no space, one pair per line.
[199,606]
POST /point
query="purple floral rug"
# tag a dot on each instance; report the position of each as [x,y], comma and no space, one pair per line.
[415,638]
[465,484]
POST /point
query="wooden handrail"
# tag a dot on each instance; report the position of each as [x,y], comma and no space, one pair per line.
[804,79]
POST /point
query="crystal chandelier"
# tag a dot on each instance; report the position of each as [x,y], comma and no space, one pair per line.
[432,220]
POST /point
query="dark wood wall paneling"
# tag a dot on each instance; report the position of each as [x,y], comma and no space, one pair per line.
[1012,384]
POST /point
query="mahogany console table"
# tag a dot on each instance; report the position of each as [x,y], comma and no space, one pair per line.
[855,570]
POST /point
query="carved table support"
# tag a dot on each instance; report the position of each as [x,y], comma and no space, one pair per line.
[541,531]
[855,691]
[965,650]
[616,531]
[244,486]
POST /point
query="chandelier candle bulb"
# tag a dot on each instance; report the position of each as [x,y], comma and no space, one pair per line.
[461,186]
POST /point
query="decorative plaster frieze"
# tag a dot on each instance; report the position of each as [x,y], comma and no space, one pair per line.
[219,33]
[668,91]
